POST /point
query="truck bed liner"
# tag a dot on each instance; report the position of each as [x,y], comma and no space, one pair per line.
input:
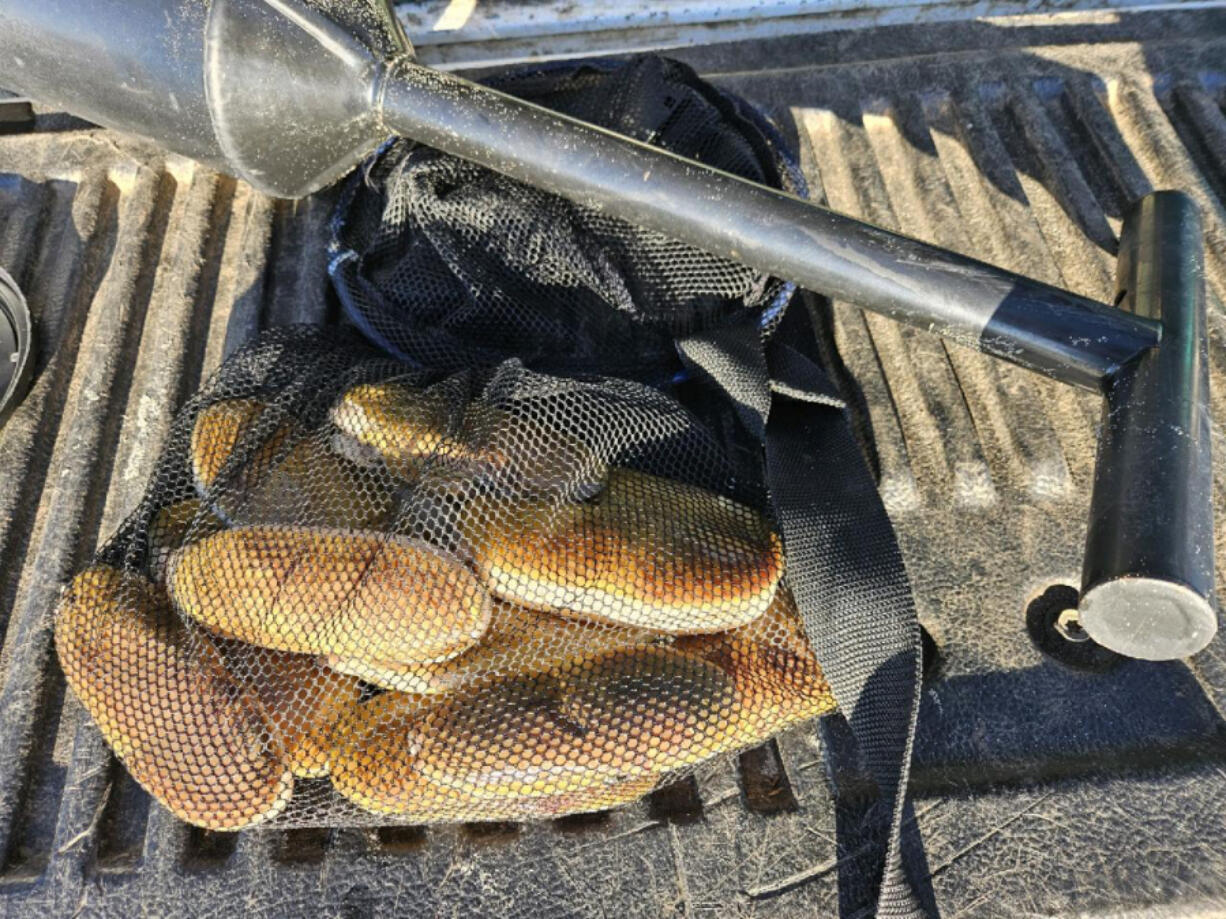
[1039,787]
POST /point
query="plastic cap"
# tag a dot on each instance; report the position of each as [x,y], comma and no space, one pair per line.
[1148,619]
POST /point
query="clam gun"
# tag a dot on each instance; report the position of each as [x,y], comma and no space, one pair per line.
[291,94]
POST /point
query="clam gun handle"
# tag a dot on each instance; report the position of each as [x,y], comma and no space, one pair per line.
[1147,581]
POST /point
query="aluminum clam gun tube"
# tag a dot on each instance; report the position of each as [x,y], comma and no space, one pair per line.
[291,94]
[1147,582]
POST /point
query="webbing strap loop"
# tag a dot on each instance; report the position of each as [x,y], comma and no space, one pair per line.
[847,573]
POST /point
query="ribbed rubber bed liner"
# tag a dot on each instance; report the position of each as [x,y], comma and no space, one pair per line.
[1040,787]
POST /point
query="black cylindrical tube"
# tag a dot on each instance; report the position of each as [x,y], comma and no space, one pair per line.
[1038,326]
[1147,586]
[278,92]
[135,65]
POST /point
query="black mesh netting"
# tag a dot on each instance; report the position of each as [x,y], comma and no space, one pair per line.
[447,265]
[354,590]
[472,581]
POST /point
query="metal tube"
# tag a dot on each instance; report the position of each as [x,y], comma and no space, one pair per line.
[1040,327]
[1147,585]
[277,92]
[134,65]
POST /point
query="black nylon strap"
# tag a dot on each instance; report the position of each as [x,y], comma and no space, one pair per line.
[847,573]
[733,358]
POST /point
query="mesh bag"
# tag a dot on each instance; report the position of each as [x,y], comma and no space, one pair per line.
[508,572]
[357,593]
